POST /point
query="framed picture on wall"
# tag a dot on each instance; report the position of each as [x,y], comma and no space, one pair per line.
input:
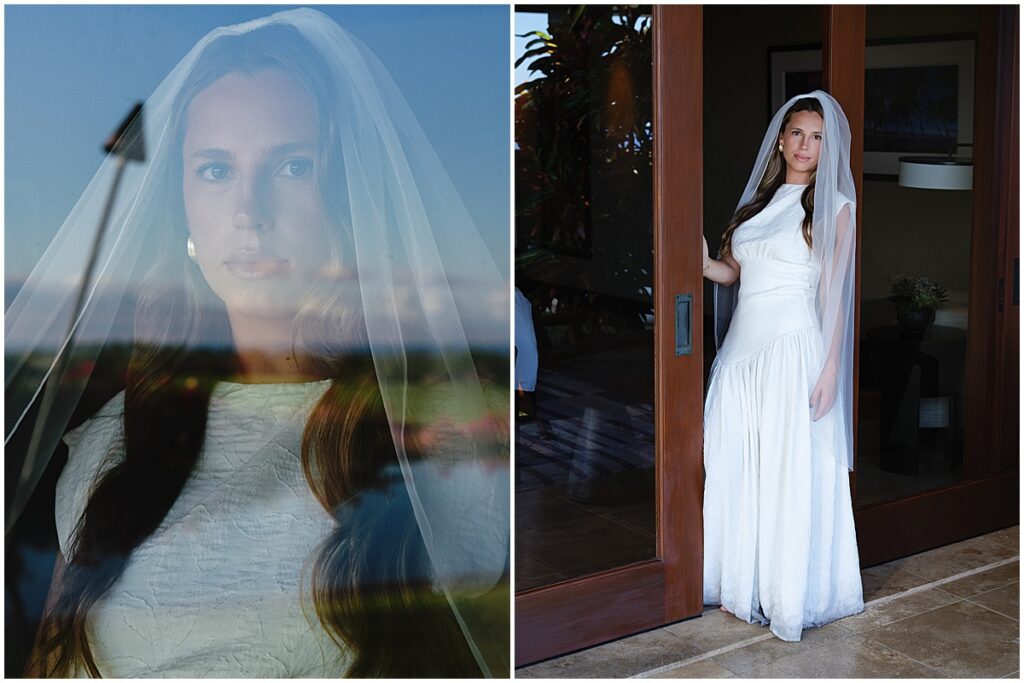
[918,96]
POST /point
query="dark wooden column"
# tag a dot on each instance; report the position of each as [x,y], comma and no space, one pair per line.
[1009,219]
[679,206]
[995,214]
[842,76]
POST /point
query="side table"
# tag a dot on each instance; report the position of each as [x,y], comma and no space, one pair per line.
[921,382]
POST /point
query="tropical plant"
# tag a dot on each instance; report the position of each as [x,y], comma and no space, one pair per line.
[584,160]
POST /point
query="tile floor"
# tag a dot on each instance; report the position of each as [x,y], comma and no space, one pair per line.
[952,612]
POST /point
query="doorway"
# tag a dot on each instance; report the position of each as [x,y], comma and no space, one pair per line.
[936,452]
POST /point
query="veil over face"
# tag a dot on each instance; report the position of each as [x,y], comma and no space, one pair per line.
[834,244]
[256,220]
[306,193]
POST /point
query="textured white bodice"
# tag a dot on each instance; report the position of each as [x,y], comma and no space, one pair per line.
[215,591]
[778,276]
[221,588]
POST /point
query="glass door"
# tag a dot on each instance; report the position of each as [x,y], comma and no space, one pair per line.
[585,470]
[608,371]
[938,433]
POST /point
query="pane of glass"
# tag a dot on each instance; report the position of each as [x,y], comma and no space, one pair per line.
[585,480]
[919,101]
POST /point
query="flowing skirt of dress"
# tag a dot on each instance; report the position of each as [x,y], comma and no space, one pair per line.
[779,539]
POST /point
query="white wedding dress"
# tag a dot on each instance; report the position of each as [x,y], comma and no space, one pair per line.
[779,540]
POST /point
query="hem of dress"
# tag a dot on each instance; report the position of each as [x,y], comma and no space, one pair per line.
[761,620]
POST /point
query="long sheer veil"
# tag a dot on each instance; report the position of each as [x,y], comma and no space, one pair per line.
[834,244]
[428,287]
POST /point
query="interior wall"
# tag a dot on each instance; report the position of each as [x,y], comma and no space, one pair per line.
[907,230]
[904,230]
[736,106]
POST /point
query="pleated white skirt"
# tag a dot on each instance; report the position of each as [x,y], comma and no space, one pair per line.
[779,540]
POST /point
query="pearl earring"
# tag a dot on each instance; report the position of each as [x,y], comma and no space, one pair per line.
[190,249]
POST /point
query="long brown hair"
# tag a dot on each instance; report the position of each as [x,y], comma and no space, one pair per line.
[368,581]
[773,178]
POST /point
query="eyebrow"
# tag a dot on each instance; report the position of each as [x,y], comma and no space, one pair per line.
[219,154]
[802,130]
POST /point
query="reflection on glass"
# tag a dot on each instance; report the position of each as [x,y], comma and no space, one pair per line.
[291,461]
[913,307]
[584,325]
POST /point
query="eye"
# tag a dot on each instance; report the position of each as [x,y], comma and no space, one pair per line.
[214,171]
[299,167]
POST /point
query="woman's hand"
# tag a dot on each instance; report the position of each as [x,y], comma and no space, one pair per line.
[824,394]
[725,271]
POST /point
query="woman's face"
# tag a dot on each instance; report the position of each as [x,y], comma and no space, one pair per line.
[254,213]
[801,141]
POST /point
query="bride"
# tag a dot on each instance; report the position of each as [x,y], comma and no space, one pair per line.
[780,545]
[306,472]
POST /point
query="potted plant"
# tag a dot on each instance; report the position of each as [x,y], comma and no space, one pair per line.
[915,298]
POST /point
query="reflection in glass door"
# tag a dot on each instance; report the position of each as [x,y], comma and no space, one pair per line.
[914,302]
[585,433]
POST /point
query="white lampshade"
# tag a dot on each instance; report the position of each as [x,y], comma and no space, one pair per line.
[936,173]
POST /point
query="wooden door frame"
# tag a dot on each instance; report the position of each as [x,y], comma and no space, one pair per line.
[1008,320]
[842,76]
[554,620]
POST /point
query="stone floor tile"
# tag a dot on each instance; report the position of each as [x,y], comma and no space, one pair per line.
[898,608]
[705,668]
[965,628]
[961,639]
[1005,600]
[1009,537]
[948,560]
[985,581]
[618,659]
[887,579]
[715,629]
[743,660]
[854,657]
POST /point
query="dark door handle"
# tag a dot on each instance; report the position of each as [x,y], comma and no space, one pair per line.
[684,324]
[1016,281]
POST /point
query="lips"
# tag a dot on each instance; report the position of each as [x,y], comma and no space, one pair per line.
[255,264]
[800,158]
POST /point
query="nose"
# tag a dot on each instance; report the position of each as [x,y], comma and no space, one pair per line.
[251,210]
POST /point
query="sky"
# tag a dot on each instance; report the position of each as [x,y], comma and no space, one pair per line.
[524,23]
[72,73]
